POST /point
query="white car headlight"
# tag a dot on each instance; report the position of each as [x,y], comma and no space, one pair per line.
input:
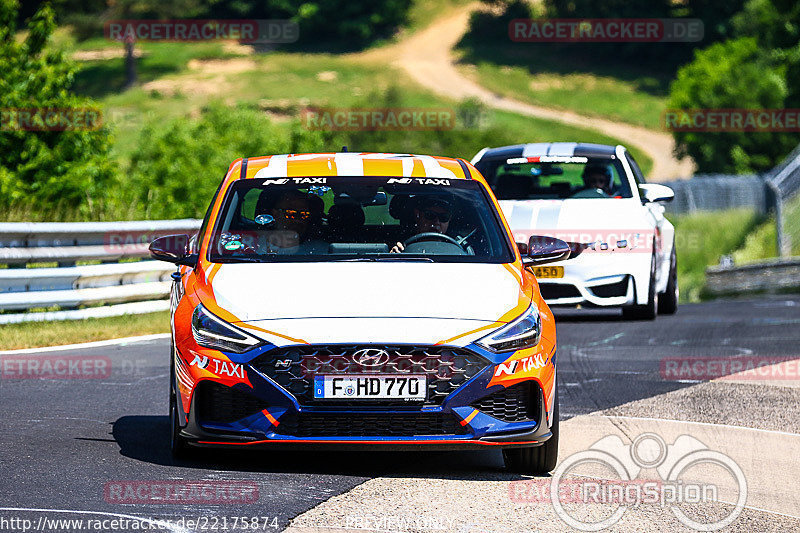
[524,332]
[212,332]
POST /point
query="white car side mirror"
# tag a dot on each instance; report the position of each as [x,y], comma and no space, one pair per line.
[653,192]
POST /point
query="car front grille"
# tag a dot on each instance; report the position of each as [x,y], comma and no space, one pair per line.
[294,368]
[611,290]
[217,403]
[554,291]
[369,425]
[517,403]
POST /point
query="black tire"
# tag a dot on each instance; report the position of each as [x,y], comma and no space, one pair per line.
[649,310]
[537,459]
[178,446]
[668,301]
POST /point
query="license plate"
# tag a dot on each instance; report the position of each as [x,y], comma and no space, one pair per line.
[549,272]
[361,387]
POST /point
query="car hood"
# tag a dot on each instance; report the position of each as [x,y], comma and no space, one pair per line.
[577,214]
[606,220]
[383,290]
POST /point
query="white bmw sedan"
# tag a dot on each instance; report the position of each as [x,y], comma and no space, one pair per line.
[594,197]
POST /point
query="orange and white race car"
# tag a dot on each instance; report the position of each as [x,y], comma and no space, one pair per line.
[361,300]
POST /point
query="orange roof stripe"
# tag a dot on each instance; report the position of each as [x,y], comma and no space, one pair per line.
[355,164]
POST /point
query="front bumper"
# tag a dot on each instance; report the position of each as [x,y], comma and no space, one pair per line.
[199,435]
[275,412]
[597,279]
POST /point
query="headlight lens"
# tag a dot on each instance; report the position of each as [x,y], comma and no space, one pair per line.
[524,332]
[212,332]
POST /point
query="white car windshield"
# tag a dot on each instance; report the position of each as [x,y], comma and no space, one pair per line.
[352,218]
[534,178]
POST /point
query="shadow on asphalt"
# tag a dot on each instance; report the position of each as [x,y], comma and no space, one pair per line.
[146,438]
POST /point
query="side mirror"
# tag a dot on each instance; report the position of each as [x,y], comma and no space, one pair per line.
[653,192]
[542,249]
[173,249]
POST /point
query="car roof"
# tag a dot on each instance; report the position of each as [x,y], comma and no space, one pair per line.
[557,149]
[364,164]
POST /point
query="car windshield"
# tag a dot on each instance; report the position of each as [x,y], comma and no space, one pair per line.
[534,178]
[351,218]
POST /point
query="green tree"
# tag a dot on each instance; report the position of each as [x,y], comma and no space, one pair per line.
[146,9]
[775,24]
[733,74]
[346,23]
[45,168]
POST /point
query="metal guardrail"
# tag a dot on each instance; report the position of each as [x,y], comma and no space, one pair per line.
[712,192]
[135,286]
[784,180]
[767,276]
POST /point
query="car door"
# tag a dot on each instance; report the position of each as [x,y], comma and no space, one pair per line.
[661,226]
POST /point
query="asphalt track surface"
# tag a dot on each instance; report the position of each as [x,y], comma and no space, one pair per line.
[64,442]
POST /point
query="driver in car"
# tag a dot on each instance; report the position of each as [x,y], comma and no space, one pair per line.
[597,177]
[430,215]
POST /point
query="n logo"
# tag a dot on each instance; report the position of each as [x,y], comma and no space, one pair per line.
[199,362]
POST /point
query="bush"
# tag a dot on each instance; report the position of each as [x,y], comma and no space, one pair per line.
[733,74]
[45,168]
[348,23]
[178,166]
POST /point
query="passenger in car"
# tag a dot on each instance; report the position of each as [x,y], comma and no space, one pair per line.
[298,217]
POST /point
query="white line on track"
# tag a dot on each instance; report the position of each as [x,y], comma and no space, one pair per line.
[712,424]
[95,344]
[158,523]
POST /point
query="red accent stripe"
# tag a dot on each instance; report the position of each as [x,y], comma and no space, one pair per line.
[279,441]
[470,417]
[270,418]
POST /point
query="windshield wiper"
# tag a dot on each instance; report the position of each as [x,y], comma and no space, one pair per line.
[239,260]
[401,258]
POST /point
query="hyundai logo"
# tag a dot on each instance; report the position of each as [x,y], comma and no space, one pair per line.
[371,357]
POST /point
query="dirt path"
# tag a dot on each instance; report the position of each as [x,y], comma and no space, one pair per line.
[427,57]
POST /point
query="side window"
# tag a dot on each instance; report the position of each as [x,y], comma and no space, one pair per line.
[197,238]
[637,172]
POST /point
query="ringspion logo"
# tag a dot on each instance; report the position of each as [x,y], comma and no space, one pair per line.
[611,474]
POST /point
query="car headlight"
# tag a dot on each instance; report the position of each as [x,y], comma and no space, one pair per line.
[212,332]
[524,332]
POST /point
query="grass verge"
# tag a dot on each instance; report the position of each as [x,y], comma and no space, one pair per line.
[702,238]
[584,93]
[37,334]
[762,243]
